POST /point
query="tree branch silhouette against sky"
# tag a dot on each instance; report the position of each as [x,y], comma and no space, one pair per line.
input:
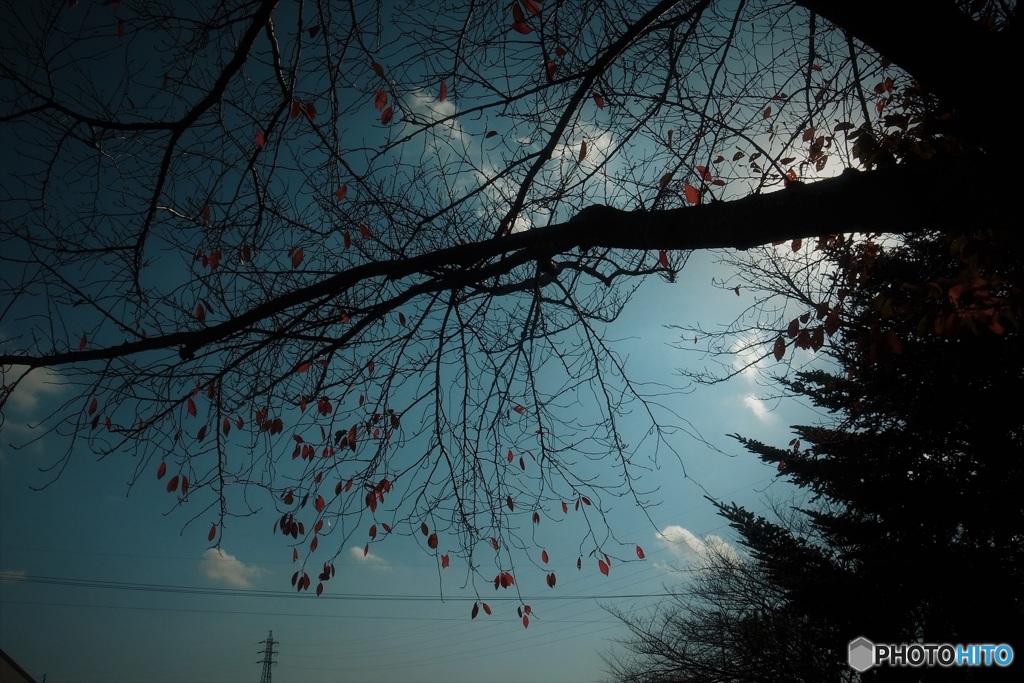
[322,273]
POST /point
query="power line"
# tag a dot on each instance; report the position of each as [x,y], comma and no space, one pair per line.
[237,592]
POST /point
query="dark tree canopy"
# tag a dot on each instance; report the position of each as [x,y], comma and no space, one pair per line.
[275,245]
[914,481]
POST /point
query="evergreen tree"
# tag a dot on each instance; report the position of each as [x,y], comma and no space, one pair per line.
[918,531]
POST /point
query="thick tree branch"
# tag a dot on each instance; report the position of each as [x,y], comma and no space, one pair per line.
[896,200]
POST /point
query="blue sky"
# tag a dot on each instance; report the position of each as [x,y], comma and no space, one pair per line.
[103,579]
[390,616]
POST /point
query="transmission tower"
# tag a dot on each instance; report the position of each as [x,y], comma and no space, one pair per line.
[268,656]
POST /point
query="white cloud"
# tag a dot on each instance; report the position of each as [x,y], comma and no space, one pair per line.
[695,550]
[220,566]
[32,387]
[425,105]
[758,408]
[368,558]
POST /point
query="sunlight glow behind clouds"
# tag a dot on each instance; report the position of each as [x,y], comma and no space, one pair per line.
[220,566]
[758,408]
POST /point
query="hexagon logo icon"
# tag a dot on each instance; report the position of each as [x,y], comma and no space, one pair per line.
[862,654]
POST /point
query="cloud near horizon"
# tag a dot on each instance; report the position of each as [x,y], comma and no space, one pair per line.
[695,550]
[220,566]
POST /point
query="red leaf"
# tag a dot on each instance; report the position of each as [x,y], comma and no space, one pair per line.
[665,180]
[386,527]
[509,503]
[598,100]
[536,518]
[494,542]
[444,92]
[526,621]
[692,194]
[348,240]
[670,137]
[313,544]
[318,527]
[295,109]
[314,31]
[172,485]
[586,501]
[565,508]
[385,116]
[260,139]
[380,100]
[120,27]
[341,192]
[544,556]
[476,610]
[377,69]
[522,27]
[369,367]
[365,232]
[531,6]
[296,254]
[373,531]
[551,68]
[319,504]
[213,533]
[510,456]
[640,552]
[309,109]
[519,409]
[424,529]
[551,580]
[295,558]
[366,550]
[583,151]
[93,407]
[184,485]
[191,407]
[201,434]
[487,608]
[779,350]
[579,563]
[200,313]
[161,471]
[319,589]
[767,112]
[663,258]
[444,562]
[82,342]
[603,566]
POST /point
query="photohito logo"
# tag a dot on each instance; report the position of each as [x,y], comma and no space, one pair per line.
[864,654]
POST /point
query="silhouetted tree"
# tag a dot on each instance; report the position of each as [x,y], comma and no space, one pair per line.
[244,231]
